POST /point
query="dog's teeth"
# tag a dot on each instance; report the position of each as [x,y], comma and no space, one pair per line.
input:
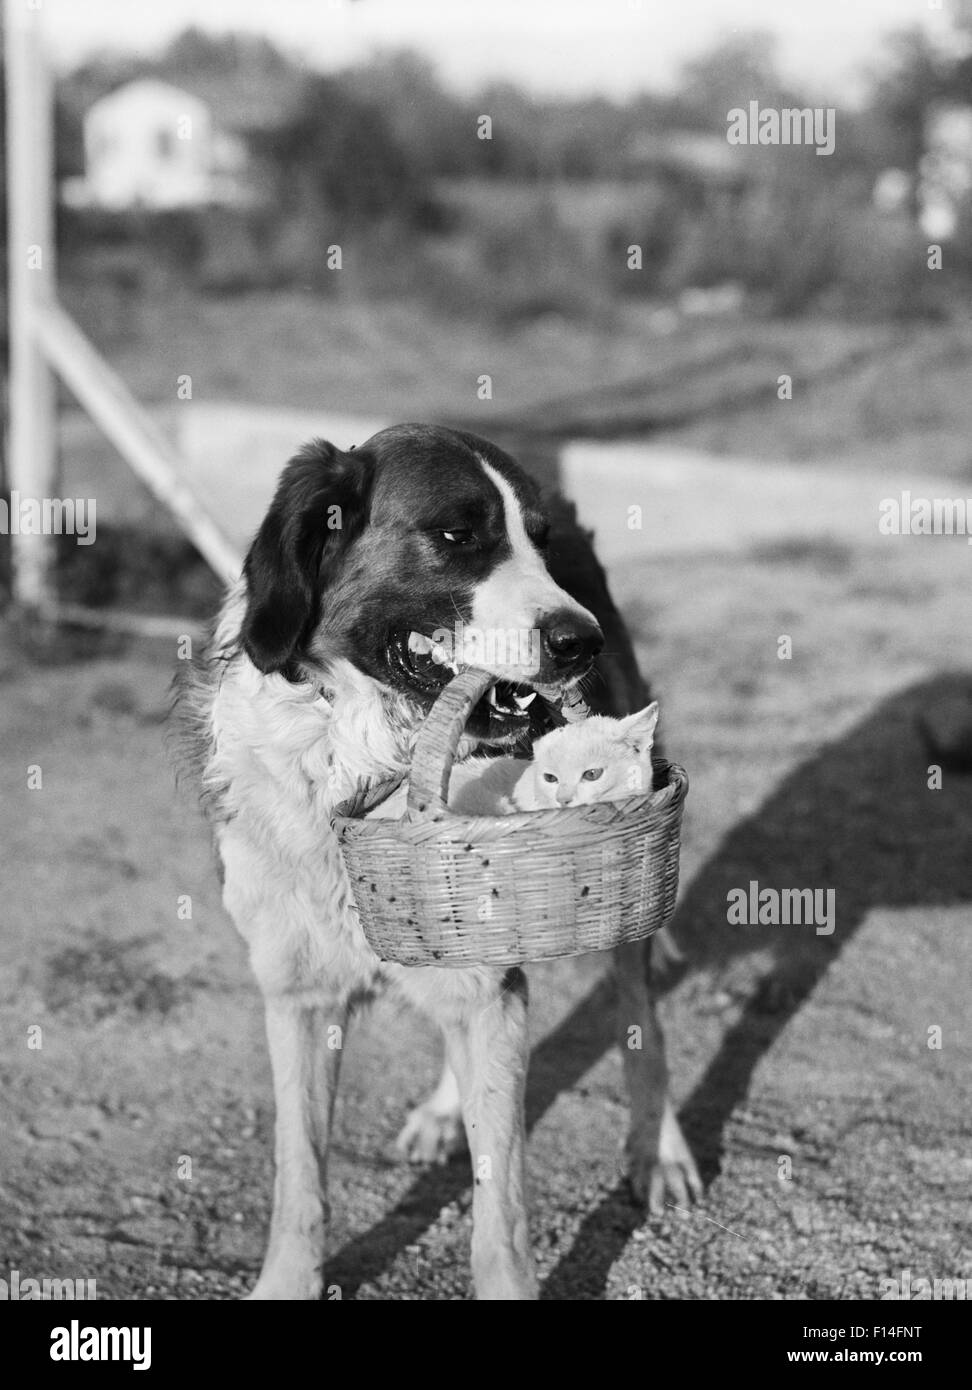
[492,697]
[524,700]
[453,667]
[418,642]
[439,654]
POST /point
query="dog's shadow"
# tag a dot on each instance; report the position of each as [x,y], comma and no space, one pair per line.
[859,818]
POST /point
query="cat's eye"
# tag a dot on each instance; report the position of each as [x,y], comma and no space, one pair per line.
[593,773]
[457,536]
[550,777]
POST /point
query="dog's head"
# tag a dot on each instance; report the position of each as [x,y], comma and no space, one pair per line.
[412,556]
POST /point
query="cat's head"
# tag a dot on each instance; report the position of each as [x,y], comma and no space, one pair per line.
[599,759]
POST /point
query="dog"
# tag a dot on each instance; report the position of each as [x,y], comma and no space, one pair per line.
[314,684]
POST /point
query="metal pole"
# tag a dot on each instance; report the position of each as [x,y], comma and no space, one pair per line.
[30,257]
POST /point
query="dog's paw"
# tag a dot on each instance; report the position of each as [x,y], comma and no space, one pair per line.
[666,1176]
[431,1136]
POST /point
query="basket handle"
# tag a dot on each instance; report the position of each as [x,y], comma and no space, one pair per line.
[438,739]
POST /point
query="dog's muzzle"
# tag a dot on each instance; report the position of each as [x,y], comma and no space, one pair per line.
[570,643]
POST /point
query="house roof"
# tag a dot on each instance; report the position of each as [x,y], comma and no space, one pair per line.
[234,106]
[147,90]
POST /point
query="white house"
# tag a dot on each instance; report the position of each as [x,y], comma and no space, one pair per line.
[149,144]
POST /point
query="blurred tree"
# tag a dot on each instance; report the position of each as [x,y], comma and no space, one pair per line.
[738,69]
[919,75]
[516,148]
[960,79]
[195,51]
[437,130]
[337,155]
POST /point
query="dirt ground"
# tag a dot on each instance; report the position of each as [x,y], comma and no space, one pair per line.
[783,1044]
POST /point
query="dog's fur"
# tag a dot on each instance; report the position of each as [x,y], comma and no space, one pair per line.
[304,695]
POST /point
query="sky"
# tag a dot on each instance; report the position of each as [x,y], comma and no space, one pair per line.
[556,47]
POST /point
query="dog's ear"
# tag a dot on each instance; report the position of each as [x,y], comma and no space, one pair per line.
[320,505]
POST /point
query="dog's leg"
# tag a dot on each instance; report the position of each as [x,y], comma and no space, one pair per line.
[305,1056]
[434,1132]
[660,1164]
[488,1049]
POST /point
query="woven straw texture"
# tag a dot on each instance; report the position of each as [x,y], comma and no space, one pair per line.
[435,888]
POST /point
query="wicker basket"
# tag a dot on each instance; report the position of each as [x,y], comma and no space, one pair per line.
[436,888]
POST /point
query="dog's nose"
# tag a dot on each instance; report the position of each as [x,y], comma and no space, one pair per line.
[570,640]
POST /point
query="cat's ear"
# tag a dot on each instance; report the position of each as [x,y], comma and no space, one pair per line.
[639,729]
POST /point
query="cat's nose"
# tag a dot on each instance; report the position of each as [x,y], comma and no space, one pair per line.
[565,795]
[570,640]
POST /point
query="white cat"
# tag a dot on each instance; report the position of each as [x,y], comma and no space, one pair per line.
[596,759]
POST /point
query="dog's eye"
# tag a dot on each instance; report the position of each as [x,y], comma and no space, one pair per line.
[550,777]
[593,773]
[459,536]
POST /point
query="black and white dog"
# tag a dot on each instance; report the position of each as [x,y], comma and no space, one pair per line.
[317,679]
